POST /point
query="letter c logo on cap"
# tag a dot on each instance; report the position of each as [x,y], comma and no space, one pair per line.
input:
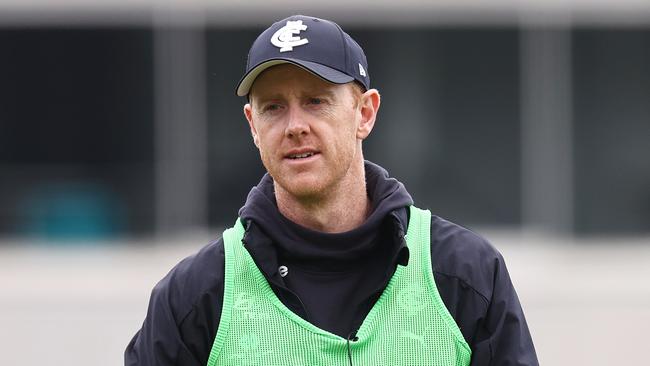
[284,38]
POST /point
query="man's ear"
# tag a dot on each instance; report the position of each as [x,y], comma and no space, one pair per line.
[248,112]
[368,107]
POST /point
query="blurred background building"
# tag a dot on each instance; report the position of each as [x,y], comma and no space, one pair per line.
[119,117]
[120,133]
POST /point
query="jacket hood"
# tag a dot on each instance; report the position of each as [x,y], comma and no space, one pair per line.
[386,195]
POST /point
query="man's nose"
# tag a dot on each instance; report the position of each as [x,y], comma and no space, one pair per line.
[297,124]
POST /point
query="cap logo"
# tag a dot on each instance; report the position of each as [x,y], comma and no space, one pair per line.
[284,38]
[362,71]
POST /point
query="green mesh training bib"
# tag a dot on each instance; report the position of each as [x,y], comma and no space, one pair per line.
[409,325]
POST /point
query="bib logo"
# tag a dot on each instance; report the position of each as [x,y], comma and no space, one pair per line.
[243,301]
[412,299]
[284,38]
[249,310]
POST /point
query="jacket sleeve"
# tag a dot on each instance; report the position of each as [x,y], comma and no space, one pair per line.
[183,313]
[475,286]
[159,341]
[503,337]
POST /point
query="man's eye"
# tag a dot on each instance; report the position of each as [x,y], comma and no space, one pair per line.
[272,107]
[315,101]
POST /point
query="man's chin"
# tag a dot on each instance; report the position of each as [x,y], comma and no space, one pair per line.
[302,186]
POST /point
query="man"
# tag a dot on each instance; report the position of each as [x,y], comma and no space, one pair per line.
[329,262]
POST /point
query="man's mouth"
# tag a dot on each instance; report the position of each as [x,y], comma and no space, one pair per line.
[301,156]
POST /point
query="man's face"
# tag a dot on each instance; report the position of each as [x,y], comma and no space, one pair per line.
[307,129]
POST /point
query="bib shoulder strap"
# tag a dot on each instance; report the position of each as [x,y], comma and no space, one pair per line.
[234,234]
[420,234]
[232,238]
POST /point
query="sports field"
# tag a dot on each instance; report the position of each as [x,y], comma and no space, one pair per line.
[587,300]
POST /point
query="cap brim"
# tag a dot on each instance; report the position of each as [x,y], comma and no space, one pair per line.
[322,71]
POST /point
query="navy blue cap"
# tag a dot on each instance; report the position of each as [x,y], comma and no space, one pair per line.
[317,45]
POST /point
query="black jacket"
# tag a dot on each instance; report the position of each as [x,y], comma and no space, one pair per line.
[334,279]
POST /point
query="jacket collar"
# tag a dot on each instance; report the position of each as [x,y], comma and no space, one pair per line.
[265,225]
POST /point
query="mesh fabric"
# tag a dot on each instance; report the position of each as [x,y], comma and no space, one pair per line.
[408,325]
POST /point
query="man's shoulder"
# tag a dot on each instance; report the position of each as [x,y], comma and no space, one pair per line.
[195,276]
[465,255]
